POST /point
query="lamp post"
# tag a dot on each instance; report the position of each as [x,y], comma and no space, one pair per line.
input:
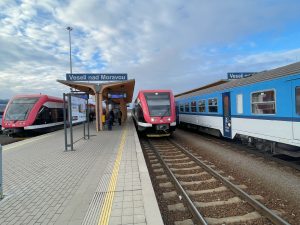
[70,29]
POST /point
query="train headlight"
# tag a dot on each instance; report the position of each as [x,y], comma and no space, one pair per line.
[169,119]
[152,119]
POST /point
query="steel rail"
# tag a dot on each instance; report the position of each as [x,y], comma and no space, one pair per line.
[191,205]
[250,149]
[256,204]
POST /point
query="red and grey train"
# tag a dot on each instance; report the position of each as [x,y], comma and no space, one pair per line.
[154,112]
[37,113]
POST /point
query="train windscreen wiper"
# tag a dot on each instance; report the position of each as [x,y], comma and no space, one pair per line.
[168,110]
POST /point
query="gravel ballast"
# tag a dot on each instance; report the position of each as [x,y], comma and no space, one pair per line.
[279,185]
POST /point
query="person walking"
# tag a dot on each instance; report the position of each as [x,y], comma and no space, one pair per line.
[91,117]
[111,118]
[120,117]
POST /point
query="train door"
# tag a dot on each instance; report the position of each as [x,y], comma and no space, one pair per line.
[226,114]
[177,114]
[296,111]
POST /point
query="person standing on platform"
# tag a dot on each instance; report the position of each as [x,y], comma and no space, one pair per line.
[111,118]
[103,118]
[91,116]
[120,117]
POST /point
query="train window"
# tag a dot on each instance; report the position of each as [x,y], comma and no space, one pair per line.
[239,103]
[20,108]
[159,104]
[201,105]
[187,107]
[263,102]
[213,105]
[193,106]
[181,108]
[298,100]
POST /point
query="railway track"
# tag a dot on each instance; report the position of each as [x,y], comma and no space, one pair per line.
[4,139]
[193,192]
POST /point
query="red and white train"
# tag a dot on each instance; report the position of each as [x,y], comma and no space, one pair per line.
[154,112]
[37,113]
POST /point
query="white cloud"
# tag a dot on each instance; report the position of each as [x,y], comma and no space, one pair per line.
[269,60]
[163,44]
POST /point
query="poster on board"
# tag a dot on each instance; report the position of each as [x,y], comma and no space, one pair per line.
[78,109]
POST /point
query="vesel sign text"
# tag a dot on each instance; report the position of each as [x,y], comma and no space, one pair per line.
[96,76]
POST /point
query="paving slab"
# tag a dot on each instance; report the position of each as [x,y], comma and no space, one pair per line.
[43,184]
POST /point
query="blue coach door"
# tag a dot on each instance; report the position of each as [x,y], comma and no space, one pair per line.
[296,108]
[177,114]
[226,115]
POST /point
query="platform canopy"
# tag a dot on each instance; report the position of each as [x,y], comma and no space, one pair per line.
[102,91]
[104,88]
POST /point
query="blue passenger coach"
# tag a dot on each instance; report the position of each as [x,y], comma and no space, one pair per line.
[263,110]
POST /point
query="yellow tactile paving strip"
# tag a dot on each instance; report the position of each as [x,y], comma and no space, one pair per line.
[106,210]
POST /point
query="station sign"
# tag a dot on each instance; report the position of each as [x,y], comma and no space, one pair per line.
[96,76]
[116,95]
[239,75]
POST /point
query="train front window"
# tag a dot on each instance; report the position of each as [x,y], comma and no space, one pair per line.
[20,108]
[298,100]
[158,103]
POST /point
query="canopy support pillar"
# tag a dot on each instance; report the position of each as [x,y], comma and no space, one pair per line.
[101,111]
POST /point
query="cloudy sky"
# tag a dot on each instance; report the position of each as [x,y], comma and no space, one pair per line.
[172,44]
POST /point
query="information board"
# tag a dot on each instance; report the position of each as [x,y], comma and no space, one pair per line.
[116,95]
[78,109]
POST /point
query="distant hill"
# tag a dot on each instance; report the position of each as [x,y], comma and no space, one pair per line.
[4,101]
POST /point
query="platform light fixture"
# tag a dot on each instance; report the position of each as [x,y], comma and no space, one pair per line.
[70,29]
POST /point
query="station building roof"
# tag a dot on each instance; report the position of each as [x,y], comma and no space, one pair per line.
[258,77]
[104,88]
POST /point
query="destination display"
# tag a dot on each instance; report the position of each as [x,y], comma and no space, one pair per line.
[239,75]
[116,95]
[96,76]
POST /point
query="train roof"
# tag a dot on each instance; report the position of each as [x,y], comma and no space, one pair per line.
[259,77]
[160,90]
[37,96]
[203,87]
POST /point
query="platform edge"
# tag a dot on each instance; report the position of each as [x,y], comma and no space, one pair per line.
[149,198]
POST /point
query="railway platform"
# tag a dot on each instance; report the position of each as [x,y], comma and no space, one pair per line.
[103,181]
